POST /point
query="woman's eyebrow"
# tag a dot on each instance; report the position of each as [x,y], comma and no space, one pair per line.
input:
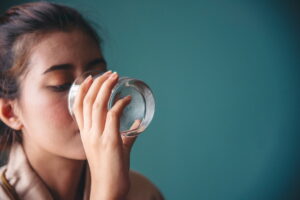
[59,67]
[68,66]
[95,62]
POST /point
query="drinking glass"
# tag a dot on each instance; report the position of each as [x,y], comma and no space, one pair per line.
[137,115]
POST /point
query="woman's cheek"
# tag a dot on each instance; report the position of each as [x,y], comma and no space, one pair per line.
[57,111]
[51,110]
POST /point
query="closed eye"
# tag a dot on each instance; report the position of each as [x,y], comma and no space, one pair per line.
[60,88]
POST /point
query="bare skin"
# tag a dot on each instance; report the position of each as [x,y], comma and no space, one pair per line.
[56,146]
[107,152]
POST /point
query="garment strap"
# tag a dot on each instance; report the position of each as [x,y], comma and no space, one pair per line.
[8,188]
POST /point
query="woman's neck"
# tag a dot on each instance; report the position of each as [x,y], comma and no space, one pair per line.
[63,177]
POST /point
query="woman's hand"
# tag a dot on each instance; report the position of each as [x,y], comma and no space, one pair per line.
[107,152]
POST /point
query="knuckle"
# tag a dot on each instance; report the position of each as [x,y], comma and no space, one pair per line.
[119,103]
[105,85]
[98,78]
[96,105]
[112,114]
[109,83]
[82,89]
[87,100]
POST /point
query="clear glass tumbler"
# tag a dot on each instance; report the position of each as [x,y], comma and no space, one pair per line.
[137,115]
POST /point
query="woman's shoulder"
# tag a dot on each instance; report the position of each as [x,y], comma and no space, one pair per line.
[142,188]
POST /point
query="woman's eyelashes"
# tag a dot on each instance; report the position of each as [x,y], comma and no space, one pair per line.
[68,79]
[60,88]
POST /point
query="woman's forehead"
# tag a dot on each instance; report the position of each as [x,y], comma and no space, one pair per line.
[60,47]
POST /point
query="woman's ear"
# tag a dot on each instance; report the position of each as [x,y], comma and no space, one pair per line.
[8,114]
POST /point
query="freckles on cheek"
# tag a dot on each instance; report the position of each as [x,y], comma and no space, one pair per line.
[48,111]
[57,112]
[42,108]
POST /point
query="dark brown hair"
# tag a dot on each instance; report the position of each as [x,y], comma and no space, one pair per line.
[21,27]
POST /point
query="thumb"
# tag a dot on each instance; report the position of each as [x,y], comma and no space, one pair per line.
[128,141]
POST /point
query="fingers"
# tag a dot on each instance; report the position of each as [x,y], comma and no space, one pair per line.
[91,104]
[78,102]
[135,124]
[112,125]
[129,140]
[99,111]
[90,97]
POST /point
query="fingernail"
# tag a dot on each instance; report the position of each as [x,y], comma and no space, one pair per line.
[88,78]
[113,75]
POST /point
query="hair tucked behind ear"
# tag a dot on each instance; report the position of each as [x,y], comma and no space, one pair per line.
[21,27]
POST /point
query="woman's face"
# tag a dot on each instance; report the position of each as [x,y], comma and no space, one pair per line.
[54,63]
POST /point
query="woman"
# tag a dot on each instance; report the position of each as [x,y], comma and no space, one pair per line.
[43,48]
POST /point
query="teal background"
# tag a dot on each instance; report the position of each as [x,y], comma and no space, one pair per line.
[225,75]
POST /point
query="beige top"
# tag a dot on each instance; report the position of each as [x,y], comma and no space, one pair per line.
[29,185]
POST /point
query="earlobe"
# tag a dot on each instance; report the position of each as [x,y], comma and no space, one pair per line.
[7,114]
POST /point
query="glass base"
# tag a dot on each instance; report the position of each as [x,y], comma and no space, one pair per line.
[139,112]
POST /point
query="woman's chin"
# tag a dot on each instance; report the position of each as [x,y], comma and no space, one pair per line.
[75,150]
[81,157]
[77,155]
